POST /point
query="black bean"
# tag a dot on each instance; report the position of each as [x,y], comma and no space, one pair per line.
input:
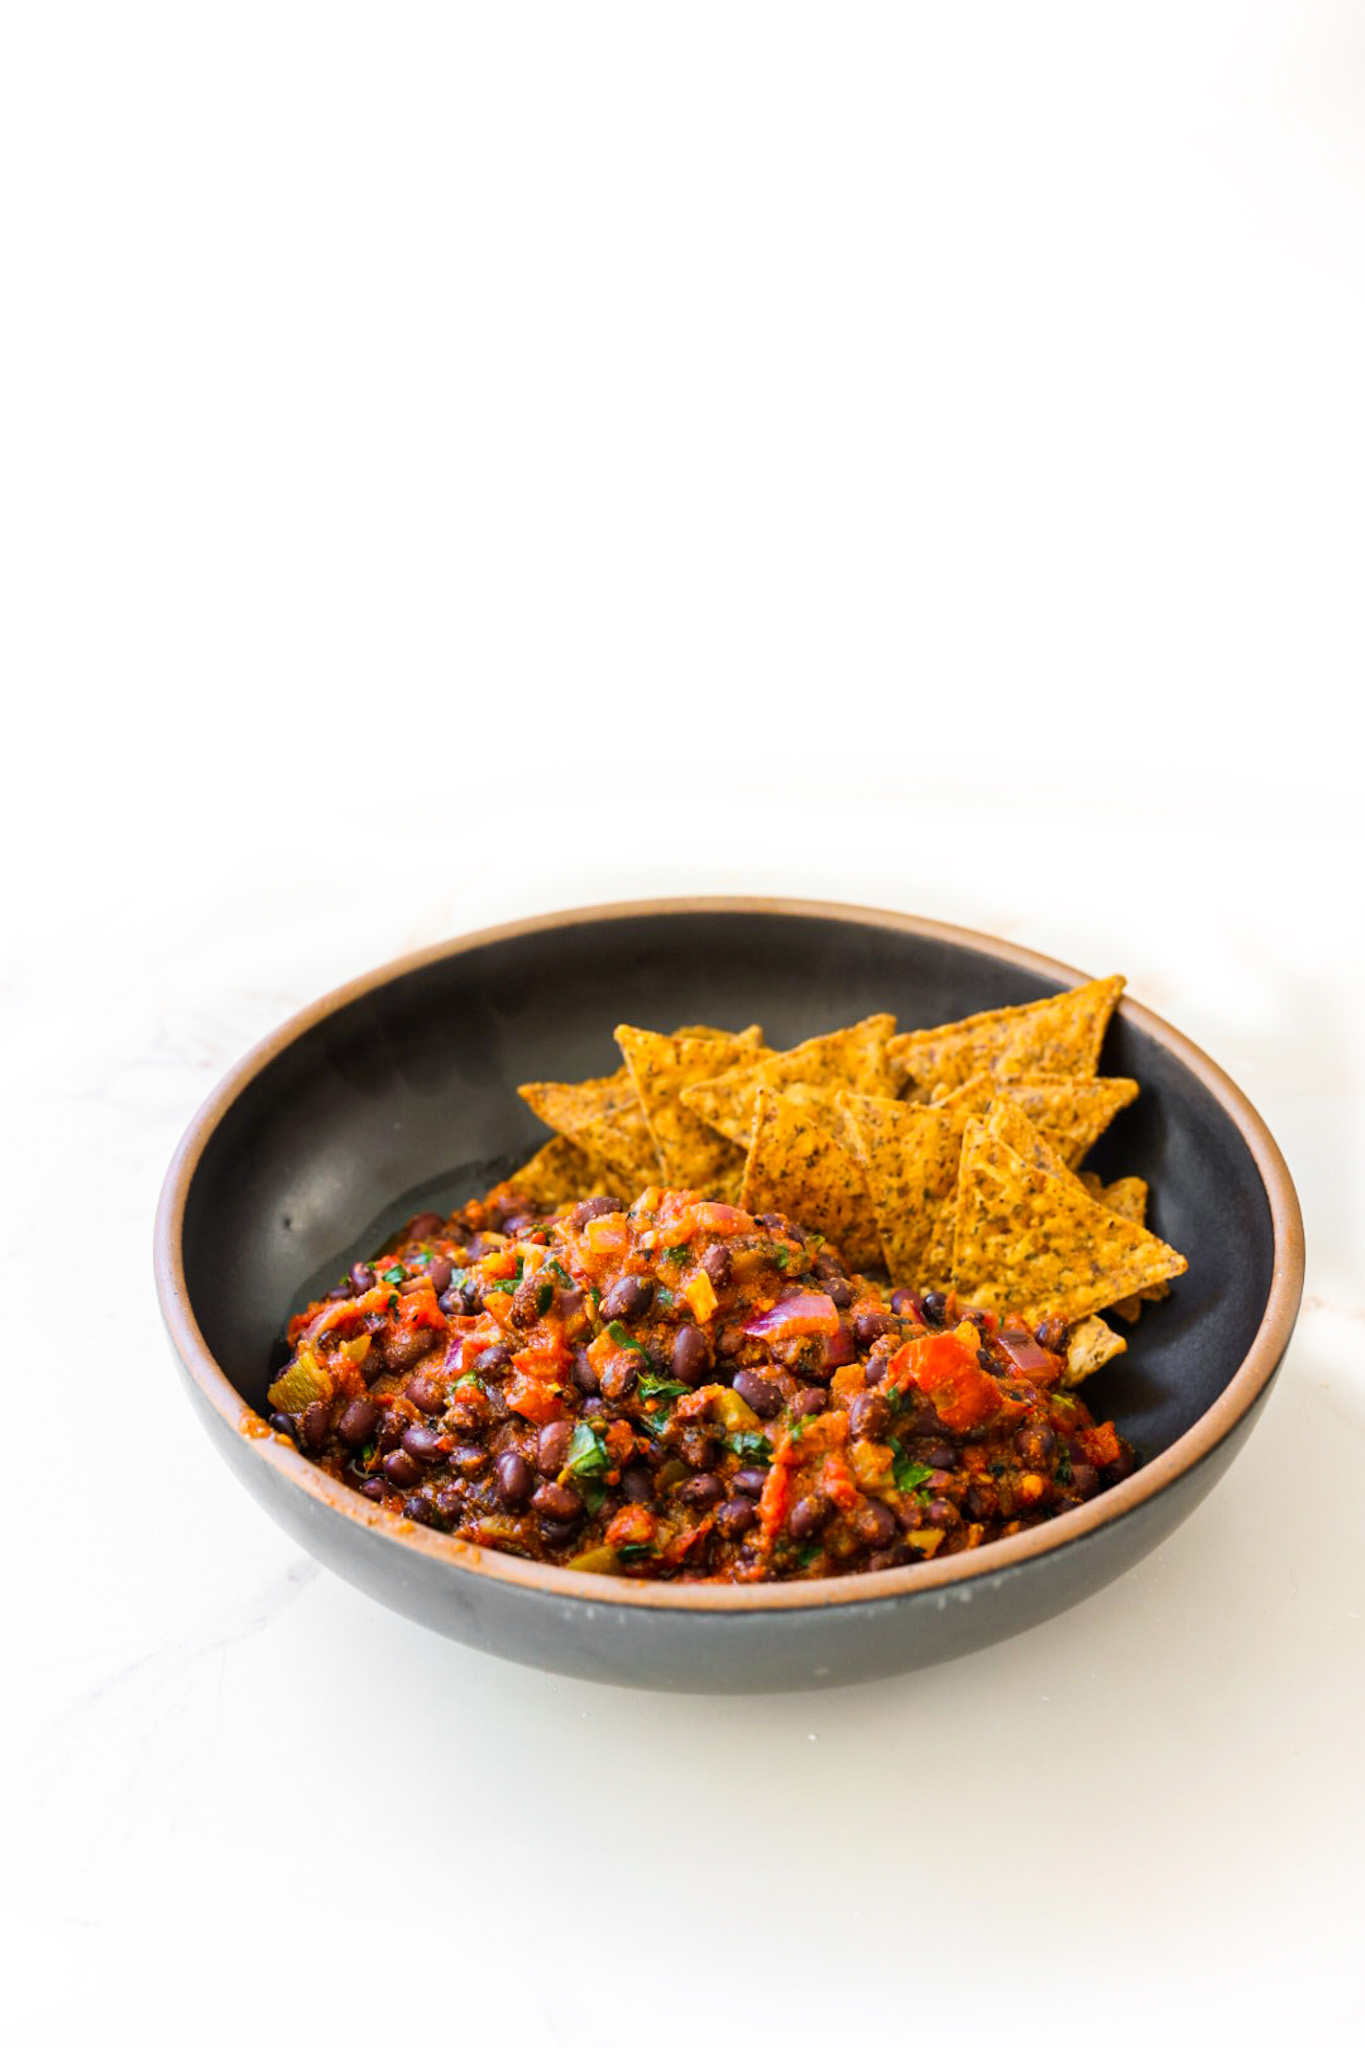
[696,1449]
[751,1479]
[1051,1333]
[1120,1467]
[1084,1479]
[942,1457]
[362,1277]
[875,1523]
[731,1341]
[450,1501]
[810,1401]
[342,1293]
[735,1517]
[391,1429]
[690,1352]
[459,1301]
[637,1484]
[560,1503]
[975,1315]
[468,1460]
[838,1290]
[1035,1444]
[402,1469]
[906,1302]
[874,1372]
[941,1514]
[425,1394]
[808,1517]
[423,1444]
[283,1425]
[630,1297]
[981,1502]
[558,1535]
[404,1347]
[934,1306]
[373,1489]
[703,1491]
[516,1482]
[357,1424]
[313,1425]
[522,1220]
[418,1508]
[552,1447]
[595,1406]
[868,1325]
[428,1224]
[596,1205]
[762,1396]
[869,1415]
[497,1407]
[440,1272]
[584,1376]
[716,1264]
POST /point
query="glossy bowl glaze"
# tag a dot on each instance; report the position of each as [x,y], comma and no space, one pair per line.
[398,1093]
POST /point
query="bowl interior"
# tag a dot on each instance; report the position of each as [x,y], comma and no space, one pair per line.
[405,1098]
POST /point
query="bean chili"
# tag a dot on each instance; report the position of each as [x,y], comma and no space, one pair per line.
[680,1390]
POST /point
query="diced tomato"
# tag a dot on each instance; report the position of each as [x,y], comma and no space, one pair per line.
[848,1381]
[722,1219]
[944,1367]
[629,1525]
[798,1315]
[1100,1444]
[537,1400]
[836,1482]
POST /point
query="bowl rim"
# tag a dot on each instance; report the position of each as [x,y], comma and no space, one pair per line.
[938,1578]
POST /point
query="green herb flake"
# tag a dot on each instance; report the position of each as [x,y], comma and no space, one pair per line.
[909,1475]
[665,1297]
[650,1387]
[622,1339]
[751,1446]
[676,1255]
[587,1454]
[392,1274]
[635,1553]
[545,1295]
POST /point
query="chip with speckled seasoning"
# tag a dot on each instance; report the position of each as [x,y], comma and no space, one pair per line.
[1034,1242]
[603,1117]
[562,1172]
[1128,1196]
[909,1153]
[853,1058]
[1059,1035]
[1070,1110]
[798,1169]
[691,1153]
[1090,1345]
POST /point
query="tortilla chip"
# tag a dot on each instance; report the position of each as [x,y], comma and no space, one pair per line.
[1034,1242]
[603,1117]
[1128,1196]
[1070,1111]
[691,1153]
[854,1058]
[1059,1035]
[560,1173]
[752,1034]
[909,1153]
[797,1168]
[1090,1345]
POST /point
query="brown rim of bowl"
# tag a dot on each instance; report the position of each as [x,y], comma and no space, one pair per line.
[1241,1394]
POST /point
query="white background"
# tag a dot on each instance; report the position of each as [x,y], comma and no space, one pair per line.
[464,461]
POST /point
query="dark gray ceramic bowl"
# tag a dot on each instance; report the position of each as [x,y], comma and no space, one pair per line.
[398,1093]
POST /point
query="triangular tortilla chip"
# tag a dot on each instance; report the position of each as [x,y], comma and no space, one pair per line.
[1070,1110]
[603,1117]
[798,1169]
[909,1153]
[1128,1196]
[1059,1035]
[1090,1345]
[560,1173]
[1034,1242]
[752,1034]
[691,1153]
[854,1058]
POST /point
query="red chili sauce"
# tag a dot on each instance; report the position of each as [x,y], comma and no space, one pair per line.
[680,1391]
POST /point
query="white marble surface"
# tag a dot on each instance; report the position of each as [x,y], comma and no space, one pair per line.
[935,447]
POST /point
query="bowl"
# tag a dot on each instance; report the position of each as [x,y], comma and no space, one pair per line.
[398,1093]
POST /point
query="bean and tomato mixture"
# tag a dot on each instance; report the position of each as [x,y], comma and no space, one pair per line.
[680,1390]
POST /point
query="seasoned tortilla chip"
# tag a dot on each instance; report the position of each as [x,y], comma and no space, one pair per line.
[1090,1345]
[1034,1242]
[603,1117]
[1128,1196]
[797,1168]
[854,1058]
[1059,1035]
[909,1154]
[1072,1111]
[752,1034]
[561,1172]
[691,1153]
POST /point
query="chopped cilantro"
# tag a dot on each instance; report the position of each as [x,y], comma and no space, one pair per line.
[650,1387]
[910,1475]
[468,1379]
[622,1339]
[545,1294]
[807,1555]
[752,1446]
[635,1553]
[1064,1468]
[391,1274]
[665,1297]
[502,1287]
[676,1255]
[587,1454]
